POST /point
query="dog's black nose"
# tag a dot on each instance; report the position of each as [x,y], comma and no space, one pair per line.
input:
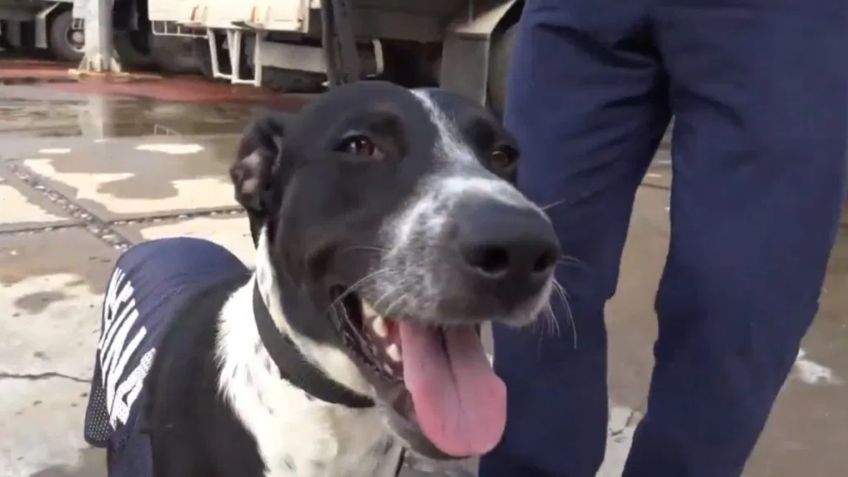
[507,249]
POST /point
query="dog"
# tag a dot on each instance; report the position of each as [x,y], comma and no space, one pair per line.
[388,229]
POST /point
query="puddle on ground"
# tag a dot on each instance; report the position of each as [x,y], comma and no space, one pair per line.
[42,109]
[114,117]
[120,147]
[37,302]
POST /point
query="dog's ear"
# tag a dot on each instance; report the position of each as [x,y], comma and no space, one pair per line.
[257,168]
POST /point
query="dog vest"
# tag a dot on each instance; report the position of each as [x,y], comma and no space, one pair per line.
[148,287]
[146,292]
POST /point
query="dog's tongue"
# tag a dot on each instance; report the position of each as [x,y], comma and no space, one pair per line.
[459,402]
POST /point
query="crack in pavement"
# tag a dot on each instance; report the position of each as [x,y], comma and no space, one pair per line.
[40,376]
[92,222]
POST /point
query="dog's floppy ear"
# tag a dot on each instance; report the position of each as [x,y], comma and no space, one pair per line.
[257,166]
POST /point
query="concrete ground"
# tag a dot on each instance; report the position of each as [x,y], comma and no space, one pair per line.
[84,174]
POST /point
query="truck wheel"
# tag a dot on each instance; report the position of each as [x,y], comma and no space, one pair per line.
[411,65]
[66,42]
[498,67]
[291,81]
[173,54]
[27,40]
[4,41]
[203,57]
[133,51]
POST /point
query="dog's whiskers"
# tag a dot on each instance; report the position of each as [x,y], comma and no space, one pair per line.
[399,287]
[552,204]
[569,261]
[560,291]
[550,321]
[369,248]
[358,283]
[376,304]
[400,299]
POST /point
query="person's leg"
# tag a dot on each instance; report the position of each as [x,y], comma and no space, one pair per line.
[587,102]
[760,95]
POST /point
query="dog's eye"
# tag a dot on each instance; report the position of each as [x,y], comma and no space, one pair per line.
[362,146]
[503,159]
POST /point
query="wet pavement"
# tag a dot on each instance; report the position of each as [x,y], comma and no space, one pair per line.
[89,168]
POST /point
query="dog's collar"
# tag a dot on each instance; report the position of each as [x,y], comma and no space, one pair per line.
[294,368]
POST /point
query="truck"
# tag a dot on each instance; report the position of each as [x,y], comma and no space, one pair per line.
[304,45]
[56,27]
[30,25]
[293,45]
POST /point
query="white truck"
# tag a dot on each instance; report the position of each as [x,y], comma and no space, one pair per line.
[57,27]
[293,45]
[30,25]
[298,45]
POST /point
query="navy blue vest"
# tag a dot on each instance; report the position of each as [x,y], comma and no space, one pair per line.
[150,284]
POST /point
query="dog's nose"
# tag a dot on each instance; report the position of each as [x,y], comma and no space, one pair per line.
[508,249]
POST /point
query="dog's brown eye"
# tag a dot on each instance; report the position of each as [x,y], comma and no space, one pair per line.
[503,160]
[362,146]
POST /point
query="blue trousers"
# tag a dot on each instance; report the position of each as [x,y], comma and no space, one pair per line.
[759,93]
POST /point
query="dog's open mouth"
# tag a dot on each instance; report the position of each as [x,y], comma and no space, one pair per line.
[437,378]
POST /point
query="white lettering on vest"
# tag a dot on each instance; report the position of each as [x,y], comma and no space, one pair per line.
[119,317]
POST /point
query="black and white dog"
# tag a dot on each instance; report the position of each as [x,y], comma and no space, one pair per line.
[388,230]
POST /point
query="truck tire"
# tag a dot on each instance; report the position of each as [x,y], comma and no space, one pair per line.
[498,68]
[411,64]
[291,81]
[4,41]
[173,54]
[27,39]
[203,57]
[133,51]
[65,42]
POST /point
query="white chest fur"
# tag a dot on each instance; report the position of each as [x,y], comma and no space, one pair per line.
[297,435]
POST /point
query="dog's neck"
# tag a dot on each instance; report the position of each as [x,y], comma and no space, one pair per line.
[333,362]
[293,429]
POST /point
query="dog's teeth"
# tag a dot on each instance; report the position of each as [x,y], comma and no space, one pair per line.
[393,352]
[388,369]
[367,311]
[379,327]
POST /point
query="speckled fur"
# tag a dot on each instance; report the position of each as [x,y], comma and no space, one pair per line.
[297,435]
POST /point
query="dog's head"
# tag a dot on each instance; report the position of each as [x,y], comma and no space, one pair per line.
[394,230]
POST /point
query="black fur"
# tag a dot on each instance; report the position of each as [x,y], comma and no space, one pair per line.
[318,202]
[318,231]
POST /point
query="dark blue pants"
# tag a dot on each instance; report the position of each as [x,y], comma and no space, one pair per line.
[759,91]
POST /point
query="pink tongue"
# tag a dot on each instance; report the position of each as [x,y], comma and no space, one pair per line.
[459,402]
